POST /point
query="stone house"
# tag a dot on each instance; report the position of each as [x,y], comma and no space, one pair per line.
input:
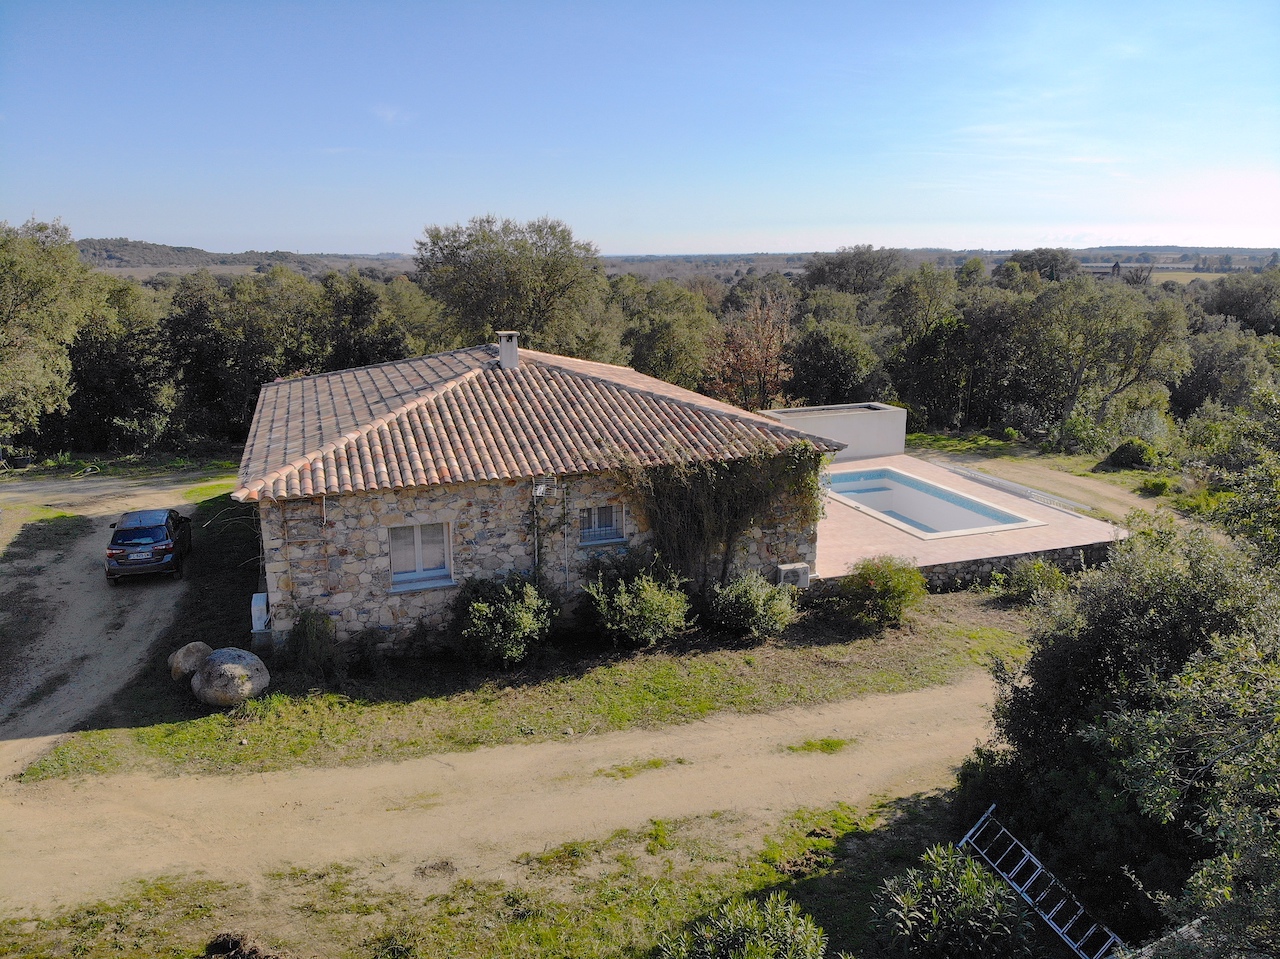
[380,489]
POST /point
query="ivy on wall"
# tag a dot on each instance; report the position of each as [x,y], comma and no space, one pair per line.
[698,511]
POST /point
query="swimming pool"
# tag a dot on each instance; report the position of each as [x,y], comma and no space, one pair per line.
[921,508]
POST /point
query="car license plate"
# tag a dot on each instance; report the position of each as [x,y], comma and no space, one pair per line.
[140,556]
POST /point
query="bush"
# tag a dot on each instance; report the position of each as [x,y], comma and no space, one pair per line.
[952,909]
[362,657]
[1082,433]
[748,930]
[639,612]
[1161,596]
[499,620]
[312,647]
[1155,486]
[1029,580]
[1202,498]
[1161,599]
[877,591]
[1133,453]
[750,606]
[617,567]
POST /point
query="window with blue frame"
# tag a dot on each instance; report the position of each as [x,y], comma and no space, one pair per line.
[601,524]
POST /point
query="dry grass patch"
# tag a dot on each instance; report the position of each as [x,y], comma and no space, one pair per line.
[628,770]
[610,896]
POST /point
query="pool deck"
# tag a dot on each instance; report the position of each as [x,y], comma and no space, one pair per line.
[846,535]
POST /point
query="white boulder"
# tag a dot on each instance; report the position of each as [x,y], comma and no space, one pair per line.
[229,676]
[185,661]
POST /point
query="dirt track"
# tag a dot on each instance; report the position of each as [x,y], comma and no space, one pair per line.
[62,843]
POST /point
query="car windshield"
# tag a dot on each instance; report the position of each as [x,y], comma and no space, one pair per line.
[142,536]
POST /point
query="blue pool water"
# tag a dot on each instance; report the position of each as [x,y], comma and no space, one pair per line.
[919,505]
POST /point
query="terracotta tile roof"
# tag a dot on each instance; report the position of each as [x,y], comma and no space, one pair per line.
[458,417]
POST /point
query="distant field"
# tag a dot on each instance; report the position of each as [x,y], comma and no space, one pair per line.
[306,263]
[1182,276]
[147,272]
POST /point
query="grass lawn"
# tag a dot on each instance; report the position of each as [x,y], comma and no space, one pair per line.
[962,444]
[611,896]
[214,460]
[1077,464]
[441,704]
[1141,489]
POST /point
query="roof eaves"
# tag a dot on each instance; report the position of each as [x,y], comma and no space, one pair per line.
[359,438]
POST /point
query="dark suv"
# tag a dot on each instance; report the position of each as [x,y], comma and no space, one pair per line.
[148,541]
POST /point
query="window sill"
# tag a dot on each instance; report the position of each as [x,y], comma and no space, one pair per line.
[605,541]
[417,585]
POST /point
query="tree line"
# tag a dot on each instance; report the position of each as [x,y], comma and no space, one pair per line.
[1036,346]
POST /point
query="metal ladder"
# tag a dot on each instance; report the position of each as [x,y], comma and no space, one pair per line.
[1014,863]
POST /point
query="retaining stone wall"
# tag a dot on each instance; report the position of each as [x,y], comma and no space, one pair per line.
[946,577]
[951,577]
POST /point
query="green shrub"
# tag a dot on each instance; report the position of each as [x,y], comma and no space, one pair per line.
[751,606]
[877,591]
[500,620]
[952,909]
[1082,433]
[639,612]
[1155,486]
[1034,579]
[746,929]
[1133,453]
[1010,435]
[312,647]
[1202,499]
[624,566]
[361,655]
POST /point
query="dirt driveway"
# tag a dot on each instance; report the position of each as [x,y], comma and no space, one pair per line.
[62,842]
[91,638]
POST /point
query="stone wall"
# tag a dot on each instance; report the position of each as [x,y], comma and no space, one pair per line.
[945,577]
[333,553]
[783,538]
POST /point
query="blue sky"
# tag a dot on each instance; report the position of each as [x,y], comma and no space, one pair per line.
[648,127]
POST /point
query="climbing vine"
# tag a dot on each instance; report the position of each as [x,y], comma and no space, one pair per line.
[544,523]
[699,510]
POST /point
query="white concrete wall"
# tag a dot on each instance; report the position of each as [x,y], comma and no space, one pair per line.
[866,429]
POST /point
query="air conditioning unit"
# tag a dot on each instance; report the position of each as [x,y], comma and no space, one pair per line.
[794,574]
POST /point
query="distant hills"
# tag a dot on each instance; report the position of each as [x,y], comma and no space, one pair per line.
[141,260]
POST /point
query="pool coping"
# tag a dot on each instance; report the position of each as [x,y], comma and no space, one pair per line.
[1024,522]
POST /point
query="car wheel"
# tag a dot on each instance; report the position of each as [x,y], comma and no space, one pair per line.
[177,571]
[113,580]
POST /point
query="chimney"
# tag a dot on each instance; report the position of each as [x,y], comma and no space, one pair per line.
[508,351]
